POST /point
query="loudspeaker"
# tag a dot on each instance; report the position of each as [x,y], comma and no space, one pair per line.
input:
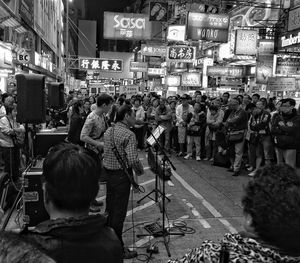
[55,95]
[31,98]
[34,211]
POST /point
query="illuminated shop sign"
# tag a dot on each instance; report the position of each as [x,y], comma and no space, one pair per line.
[209,27]
[126,26]
[101,64]
[246,42]
[173,81]
[138,66]
[191,79]
[181,54]
[153,50]
[225,71]
[176,33]
[156,71]
[291,40]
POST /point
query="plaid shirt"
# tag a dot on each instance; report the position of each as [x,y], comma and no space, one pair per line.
[125,142]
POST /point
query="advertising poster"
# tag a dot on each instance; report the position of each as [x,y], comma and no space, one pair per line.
[286,65]
[158,11]
[126,26]
[176,33]
[264,69]
[26,11]
[191,79]
[209,27]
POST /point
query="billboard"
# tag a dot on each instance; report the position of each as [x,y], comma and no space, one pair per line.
[209,27]
[26,11]
[294,19]
[264,68]
[126,26]
[176,33]
[138,66]
[173,81]
[191,79]
[236,72]
[246,42]
[153,50]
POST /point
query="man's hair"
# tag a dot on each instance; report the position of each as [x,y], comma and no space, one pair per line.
[272,199]
[250,106]
[4,96]
[104,99]
[256,95]
[292,102]
[14,249]
[122,111]
[226,93]
[237,99]
[71,176]
[213,108]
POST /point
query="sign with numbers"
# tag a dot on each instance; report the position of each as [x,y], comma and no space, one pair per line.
[181,54]
[101,64]
[209,27]
[281,84]
[294,19]
[153,50]
[246,42]
[126,26]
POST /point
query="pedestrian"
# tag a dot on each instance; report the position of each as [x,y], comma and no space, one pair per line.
[236,125]
[123,140]
[138,128]
[285,131]
[182,111]
[76,124]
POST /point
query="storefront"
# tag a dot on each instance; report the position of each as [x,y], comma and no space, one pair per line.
[6,68]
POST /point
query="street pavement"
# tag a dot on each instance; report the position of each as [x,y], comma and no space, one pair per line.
[204,197]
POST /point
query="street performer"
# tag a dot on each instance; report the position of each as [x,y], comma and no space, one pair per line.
[120,142]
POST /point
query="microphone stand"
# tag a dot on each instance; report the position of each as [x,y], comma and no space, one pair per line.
[165,232]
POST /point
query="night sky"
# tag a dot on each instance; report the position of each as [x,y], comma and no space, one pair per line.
[95,9]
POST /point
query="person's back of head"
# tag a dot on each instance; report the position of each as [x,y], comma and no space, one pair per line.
[71,176]
[14,249]
[272,200]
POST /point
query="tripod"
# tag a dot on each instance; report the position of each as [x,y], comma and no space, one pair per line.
[165,232]
[156,191]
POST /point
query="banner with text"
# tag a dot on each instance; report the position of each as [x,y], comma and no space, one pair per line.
[181,54]
[108,65]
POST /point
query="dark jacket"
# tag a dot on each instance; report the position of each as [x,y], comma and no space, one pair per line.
[237,120]
[86,239]
[76,124]
[198,121]
[285,129]
[261,123]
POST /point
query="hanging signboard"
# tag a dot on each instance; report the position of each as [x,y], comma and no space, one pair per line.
[176,33]
[158,11]
[265,47]
[209,27]
[246,42]
[126,26]
[264,68]
[156,71]
[191,79]
[236,72]
[138,66]
[290,40]
[173,81]
[153,50]
[294,19]
[101,64]
[26,11]
[281,84]
[181,54]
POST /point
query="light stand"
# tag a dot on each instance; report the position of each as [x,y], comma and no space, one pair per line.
[156,191]
[164,232]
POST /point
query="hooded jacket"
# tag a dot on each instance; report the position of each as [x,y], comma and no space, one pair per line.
[86,239]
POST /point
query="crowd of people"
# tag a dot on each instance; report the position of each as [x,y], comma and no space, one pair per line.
[239,131]
[104,137]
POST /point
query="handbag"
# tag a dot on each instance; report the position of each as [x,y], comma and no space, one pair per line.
[236,136]
[18,138]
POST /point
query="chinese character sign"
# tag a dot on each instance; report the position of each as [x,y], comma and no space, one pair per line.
[191,79]
[100,64]
[246,42]
[181,54]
